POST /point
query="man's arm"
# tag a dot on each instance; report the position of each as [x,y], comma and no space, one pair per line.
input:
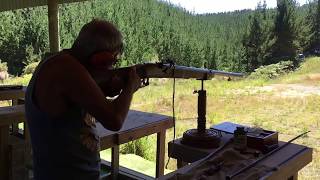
[77,85]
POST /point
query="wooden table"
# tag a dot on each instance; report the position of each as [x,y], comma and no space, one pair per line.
[138,124]
[8,117]
[288,160]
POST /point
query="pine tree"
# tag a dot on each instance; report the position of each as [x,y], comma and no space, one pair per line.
[285,32]
[254,41]
[315,28]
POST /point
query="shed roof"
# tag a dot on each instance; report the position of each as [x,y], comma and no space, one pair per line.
[6,5]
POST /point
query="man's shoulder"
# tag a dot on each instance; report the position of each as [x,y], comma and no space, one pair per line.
[67,68]
[64,61]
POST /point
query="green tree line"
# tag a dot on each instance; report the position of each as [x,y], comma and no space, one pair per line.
[155,30]
[275,36]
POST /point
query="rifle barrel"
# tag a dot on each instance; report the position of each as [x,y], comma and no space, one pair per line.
[160,70]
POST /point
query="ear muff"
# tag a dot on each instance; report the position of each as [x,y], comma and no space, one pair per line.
[102,59]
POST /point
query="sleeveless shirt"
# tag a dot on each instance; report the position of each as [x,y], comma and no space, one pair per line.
[64,147]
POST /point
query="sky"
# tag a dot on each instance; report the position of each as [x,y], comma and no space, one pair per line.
[212,6]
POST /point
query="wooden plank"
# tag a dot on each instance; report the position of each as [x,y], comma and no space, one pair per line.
[292,166]
[161,140]
[148,129]
[15,128]
[12,94]
[115,162]
[137,124]
[288,169]
[12,114]
[4,140]
[138,119]
[107,138]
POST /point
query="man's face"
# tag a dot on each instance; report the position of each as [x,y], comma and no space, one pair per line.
[104,59]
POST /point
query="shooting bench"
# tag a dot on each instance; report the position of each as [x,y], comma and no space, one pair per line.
[138,124]
[287,161]
[15,150]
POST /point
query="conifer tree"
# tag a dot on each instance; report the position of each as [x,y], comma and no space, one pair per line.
[315,27]
[285,32]
[254,41]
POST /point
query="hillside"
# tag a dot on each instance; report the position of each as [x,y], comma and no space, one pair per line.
[153,31]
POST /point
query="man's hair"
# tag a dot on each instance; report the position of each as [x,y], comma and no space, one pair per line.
[98,35]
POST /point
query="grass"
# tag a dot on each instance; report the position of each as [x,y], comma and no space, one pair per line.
[133,162]
[233,101]
[304,74]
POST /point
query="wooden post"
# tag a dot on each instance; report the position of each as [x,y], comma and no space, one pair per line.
[294,176]
[4,140]
[161,140]
[15,126]
[181,164]
[115,162]
[53,17]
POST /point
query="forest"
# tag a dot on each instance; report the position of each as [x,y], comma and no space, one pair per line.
[157,31]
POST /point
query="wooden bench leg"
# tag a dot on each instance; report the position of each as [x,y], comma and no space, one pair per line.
[181,163]
[294,177]
[161,138]
[4,141]
[15,126]
[115,162]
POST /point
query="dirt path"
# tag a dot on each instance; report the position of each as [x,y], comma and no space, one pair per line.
[282,90]
[291,90]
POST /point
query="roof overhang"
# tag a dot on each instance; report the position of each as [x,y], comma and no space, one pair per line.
[6,5]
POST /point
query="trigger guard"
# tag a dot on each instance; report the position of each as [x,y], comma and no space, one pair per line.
[145,81]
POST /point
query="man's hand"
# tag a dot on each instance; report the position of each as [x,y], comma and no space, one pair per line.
[134,81]
[112,82]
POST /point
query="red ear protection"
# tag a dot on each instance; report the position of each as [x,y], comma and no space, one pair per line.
[102,59]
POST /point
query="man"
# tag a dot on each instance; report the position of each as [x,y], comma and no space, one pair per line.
[66,91]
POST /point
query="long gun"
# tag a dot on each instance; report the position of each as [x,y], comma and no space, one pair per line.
[169,70]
